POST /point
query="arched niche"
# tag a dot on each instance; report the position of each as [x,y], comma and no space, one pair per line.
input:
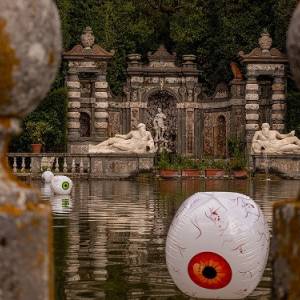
[85,124]
[166,101]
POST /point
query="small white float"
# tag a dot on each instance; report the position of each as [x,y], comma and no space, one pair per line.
[217,246]
[61,185]
[47,176]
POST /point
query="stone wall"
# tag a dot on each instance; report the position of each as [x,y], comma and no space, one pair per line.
[196,125]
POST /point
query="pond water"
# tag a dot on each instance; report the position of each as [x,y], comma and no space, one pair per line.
[110,236]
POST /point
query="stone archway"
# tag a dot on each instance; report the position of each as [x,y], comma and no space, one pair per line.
[167,103]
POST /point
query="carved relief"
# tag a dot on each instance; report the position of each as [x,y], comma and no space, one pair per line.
[135,117]
[114,122]
[190,131]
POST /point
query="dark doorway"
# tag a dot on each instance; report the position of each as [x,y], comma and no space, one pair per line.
[85,125]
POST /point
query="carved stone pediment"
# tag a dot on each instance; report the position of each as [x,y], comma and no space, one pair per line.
[88,48]
[162,58]
[221,92]
[264,53]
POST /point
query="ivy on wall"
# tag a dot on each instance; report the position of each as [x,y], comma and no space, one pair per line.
[214,30]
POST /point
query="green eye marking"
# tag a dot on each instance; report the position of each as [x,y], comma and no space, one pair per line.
[65,185]
[65,203]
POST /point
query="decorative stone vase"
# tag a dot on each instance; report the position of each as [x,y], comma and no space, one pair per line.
[134,59]
[214,173]
[190,173]
[169,173]
[265,42]
[240,174]
[88,38]
[36,148]
[189,57]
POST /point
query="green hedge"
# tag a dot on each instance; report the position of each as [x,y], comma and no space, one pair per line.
[53,112]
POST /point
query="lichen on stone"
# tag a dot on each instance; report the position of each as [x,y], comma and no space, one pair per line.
[8,61]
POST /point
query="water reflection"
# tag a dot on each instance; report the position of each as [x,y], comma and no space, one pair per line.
[110,243]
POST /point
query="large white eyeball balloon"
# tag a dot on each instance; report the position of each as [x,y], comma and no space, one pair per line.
[217,246]
[61,204]
[47,176]
[61,185]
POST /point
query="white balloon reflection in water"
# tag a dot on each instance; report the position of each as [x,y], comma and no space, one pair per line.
[46,190]
[61,204]
[217,246]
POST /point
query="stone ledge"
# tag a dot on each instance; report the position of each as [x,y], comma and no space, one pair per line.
[287,165]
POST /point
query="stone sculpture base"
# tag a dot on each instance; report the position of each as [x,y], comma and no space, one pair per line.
[286,166]
[114,166]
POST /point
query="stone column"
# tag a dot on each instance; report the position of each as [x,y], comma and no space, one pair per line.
[101,108]
[73,85]
[252,108]
[286,250]
[278,103]
[30,51]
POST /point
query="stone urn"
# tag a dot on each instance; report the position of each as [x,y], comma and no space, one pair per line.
[134,59]
[265,42]
[189,57]
[88,38]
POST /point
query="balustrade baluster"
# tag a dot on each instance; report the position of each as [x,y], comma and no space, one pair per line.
[73,169]
[65,165]
[30,168]
[56,165]
[15,166]
[23,165]
[81,166]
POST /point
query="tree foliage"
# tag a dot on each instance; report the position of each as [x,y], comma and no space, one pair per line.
[214,30]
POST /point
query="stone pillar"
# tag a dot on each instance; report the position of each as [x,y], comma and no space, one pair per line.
[101,108]
[278,104]
[252,108]
[237,101]
[73,85]
[286,250]
[190,132]
[30,51]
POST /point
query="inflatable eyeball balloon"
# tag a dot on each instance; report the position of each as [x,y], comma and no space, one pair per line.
[47,176]
[61,185]
[217,246]
[61,204]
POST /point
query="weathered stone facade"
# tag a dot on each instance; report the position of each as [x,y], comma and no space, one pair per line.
[196,125]
[88,93]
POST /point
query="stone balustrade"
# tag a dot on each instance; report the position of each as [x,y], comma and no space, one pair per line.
[62,163]
[100,166]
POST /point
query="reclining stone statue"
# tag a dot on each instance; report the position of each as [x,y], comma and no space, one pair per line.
[273,142]
[137,141]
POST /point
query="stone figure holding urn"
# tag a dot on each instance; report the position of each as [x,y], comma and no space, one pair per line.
[273,142]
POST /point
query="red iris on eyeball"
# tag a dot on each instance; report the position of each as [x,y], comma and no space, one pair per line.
[210,270]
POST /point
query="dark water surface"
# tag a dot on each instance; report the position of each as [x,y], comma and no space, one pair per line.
[110,236]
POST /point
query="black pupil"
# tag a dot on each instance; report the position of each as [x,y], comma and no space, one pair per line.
[209,272]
